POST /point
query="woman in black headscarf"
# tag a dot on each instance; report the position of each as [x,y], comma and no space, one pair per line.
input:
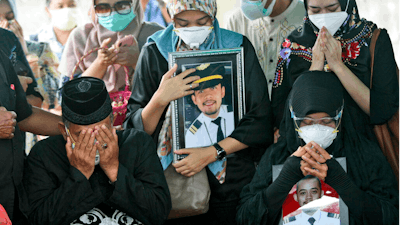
[334,38]
[368,188]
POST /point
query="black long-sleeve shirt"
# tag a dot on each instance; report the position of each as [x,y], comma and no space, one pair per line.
[13,98]
[59,193]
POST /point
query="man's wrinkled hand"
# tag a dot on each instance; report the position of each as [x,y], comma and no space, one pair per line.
[82,157]
[7,123]
[107,145]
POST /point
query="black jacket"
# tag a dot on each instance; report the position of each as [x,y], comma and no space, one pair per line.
[59,193]
[12,97]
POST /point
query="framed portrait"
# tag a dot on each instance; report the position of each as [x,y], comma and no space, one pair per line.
[312,201]
[218,103]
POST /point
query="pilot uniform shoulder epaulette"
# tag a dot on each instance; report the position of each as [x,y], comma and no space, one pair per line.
[289,219]
[333,215]
[195,126]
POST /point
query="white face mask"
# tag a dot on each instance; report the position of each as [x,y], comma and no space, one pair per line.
[320,134]
[97,158]
[193,36]
[255,9]
[332,21]
[65,18]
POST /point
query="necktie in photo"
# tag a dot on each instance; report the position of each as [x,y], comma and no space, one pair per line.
[220,135]
[218,168]
[311,220]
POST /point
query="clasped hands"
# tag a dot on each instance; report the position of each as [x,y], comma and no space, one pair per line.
[82,157]
[116,54]
[7,123]
[327,48]
[313,160]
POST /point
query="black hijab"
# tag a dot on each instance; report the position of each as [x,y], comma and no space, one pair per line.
[366,165]
[296,54]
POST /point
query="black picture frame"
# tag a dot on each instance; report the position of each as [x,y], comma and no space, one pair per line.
[184,112]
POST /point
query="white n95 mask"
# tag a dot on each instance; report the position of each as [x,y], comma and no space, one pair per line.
[193,36]
[332,21]
[255,9]
[320,134]
[64,19]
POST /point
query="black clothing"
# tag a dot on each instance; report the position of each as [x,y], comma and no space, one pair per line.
[254,129]
[13,98]
[59,193]
[368,188]
[355,37]
[11,47]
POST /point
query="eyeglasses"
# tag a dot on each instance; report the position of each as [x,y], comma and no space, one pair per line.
[306,121]
[105,9]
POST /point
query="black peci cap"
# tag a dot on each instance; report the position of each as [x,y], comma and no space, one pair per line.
[85,101]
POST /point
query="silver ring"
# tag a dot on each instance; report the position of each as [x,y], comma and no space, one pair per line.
[190,86]
[104,146]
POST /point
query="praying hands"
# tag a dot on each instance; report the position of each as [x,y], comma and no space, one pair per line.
[313,160]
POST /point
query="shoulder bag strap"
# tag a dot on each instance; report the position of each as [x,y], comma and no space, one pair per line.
[374,38]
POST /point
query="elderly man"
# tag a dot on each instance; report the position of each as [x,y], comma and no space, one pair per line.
[16,115]
[91,172]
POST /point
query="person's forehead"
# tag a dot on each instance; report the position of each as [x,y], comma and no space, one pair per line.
[56,2]
[190,15]
[321,3]
[317,115]
[308,184]
[111,2]
[217,86]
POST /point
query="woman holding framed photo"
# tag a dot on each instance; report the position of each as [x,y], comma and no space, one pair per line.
[316,130]
[195,27]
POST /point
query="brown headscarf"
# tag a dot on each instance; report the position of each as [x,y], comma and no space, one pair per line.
[85,38]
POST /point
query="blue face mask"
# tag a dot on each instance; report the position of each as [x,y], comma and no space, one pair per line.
[255,9]
[116,22]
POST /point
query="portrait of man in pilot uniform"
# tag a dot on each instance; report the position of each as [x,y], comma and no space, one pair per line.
[215,122]
[308,190]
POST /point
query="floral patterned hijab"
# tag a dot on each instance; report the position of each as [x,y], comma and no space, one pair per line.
[354,34]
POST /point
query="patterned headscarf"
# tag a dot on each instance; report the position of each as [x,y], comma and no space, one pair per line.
[207,6]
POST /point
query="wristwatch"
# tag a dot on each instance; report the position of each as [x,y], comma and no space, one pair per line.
[220,152]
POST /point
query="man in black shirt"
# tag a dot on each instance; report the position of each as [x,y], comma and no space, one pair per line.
[91,172]
[16,115]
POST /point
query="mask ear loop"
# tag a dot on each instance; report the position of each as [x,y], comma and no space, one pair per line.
[340,120]
[69,134]
[294,120]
